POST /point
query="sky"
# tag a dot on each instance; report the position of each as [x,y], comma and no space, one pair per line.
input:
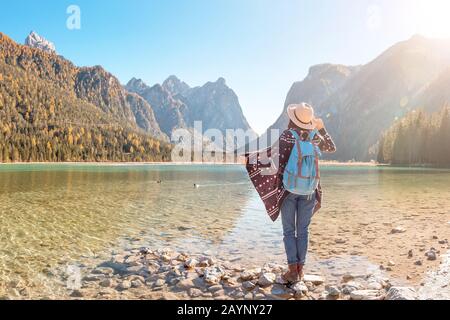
[261,47]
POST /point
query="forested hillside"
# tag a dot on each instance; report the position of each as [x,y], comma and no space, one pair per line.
[51,110]
[418,139]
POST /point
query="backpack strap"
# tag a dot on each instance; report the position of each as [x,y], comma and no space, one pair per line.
[295,134]
[299,151]
[312,134]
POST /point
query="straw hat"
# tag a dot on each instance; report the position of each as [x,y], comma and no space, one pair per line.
[302,115]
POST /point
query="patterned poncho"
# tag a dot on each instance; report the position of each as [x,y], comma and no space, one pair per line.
[266,168]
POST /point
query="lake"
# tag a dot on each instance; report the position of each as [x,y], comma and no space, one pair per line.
[57,215]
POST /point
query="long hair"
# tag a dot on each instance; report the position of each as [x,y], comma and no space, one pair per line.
[302,132]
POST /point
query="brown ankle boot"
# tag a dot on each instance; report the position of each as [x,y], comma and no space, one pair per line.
[300,271]
[292,275]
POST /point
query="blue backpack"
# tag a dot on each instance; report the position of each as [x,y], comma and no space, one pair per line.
[301,175]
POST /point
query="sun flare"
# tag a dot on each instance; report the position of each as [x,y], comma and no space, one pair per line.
[433,18]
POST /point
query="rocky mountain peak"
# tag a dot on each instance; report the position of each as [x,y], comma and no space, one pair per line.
[221,81]
[176,86]
[34,40]
[325,69]
[136,85]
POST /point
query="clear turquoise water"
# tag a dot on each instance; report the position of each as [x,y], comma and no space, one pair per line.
[63,214]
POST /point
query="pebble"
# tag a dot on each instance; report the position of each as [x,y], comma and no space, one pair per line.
[398,230]
[215,288]
[391,263]
[280,280]
[237,294]
[159,283]
[106,283]
[76,294]
[418,263]
[204,263]
[136,284]
[248,285]
[374,286]
[347,277]
[191,263]
[93,278]
[185,284]
[124,285]
[194,292]
[431,255]
[350,286]
[219,293]
[103,270]
[333,291]
[259,296]
[250,274]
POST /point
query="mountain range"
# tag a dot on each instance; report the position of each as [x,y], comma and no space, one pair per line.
[40,90]
[358,103]
[177,105]
[47,102]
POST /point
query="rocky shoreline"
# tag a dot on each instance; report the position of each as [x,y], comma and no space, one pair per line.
[165,274]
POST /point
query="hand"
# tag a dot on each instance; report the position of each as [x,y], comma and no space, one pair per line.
[318,123]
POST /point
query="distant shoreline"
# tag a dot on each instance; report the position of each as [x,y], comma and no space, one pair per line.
[322,163]
[112,163]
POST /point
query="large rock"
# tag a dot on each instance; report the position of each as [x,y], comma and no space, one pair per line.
[267,279]
[250,274]
[191,263]
[213,275]
[281,291]
[185,284]
[300,289]
[333,291]
[401,293]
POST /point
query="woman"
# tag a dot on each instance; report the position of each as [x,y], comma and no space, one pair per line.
[296,210]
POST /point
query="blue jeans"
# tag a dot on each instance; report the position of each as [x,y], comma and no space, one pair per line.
[296,214]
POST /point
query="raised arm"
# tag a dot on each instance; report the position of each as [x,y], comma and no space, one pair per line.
[325,143]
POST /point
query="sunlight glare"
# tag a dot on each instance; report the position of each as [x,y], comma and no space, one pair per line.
[433,18]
